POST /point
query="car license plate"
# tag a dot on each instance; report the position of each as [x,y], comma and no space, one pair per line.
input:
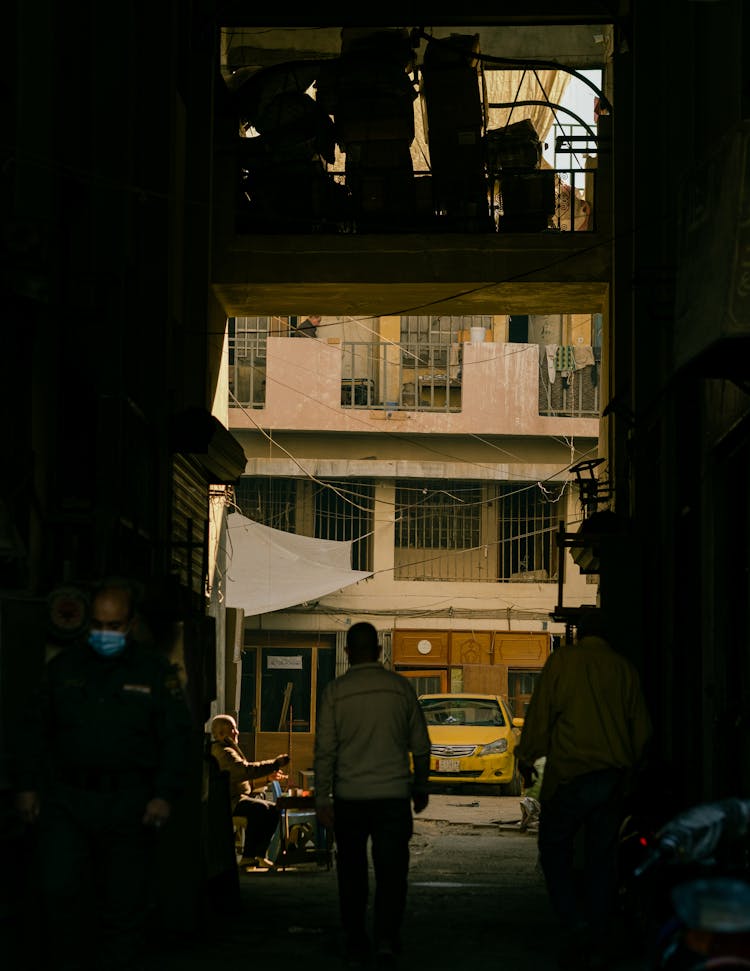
[448,765]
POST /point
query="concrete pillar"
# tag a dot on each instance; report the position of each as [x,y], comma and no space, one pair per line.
[390,330]
[383,550]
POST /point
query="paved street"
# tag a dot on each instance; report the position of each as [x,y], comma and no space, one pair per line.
[476,900]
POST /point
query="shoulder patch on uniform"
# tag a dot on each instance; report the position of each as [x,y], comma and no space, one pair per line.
[141,689]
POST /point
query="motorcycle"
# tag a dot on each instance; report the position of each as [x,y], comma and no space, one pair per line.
[693,887]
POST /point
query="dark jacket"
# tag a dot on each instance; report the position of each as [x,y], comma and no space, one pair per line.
[587,713]
[122,719]
[305,329]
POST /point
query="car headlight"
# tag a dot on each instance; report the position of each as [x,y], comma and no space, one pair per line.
[497,747]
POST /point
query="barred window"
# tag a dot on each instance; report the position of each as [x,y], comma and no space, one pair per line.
[271,502]
[439,514]
[344,511]
[527,522]
[247,337]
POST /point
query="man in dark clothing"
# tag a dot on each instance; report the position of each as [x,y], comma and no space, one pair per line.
[588,718]
[369,723]
[108,753]
[308,327]
[262,816]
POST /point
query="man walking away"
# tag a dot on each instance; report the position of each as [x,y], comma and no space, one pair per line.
[369,722]
[588,716]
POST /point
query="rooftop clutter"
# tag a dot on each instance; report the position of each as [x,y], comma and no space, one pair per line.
[329,144]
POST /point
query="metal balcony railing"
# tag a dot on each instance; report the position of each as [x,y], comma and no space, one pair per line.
[539,200]
[571,394]
[417,377]
[544,199]
[401,377]
[574,200]
[375,375]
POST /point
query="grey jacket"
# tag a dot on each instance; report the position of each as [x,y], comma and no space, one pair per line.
[369,723]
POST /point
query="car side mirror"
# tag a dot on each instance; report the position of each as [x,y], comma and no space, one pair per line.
[518,722]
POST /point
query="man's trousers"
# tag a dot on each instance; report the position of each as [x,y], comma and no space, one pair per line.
[387,823]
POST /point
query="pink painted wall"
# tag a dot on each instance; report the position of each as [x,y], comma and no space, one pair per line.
[500,395]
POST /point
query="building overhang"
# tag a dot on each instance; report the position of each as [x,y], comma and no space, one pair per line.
[457,274]
[198,433]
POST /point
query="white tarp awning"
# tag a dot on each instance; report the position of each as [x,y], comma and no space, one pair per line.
[270,569]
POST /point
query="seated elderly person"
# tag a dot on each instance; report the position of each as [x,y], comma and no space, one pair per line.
[262,816]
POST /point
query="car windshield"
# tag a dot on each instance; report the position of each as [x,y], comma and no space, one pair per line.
[462,711]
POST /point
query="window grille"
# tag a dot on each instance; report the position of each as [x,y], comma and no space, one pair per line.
[438,530]
[441,515]
[468,531]
[272,502]
[527,521]
[250,335]
[434,335]
[248,340]
[344,511]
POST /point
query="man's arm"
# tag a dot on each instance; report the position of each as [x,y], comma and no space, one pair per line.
[420,797]
[535,735]
[419,744]
[232,760]
[266,767]
[640,720]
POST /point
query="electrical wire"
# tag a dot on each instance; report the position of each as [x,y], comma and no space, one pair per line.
[520,62]
[338,490]
[366,424]
[522,349]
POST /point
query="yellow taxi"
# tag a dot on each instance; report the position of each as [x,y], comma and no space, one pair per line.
[473,740]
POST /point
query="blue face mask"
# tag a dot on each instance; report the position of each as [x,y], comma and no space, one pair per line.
[108,643]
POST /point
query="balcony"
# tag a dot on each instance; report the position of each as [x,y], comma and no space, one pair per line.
[493,388]
[548,200]
[401,377]
[571,388]
[522,259]
[384,171]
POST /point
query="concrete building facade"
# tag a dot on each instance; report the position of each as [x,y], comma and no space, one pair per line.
[453,504]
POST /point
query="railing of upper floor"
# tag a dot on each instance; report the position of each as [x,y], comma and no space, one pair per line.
[383,201]
[569,380]
[401,377]
[336,144]
[421,377]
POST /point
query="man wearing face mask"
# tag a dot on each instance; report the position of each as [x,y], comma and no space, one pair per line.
[108,753]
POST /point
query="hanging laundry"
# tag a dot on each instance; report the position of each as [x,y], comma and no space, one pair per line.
[584,355]
[597,350]
[551,350]
[565,358]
